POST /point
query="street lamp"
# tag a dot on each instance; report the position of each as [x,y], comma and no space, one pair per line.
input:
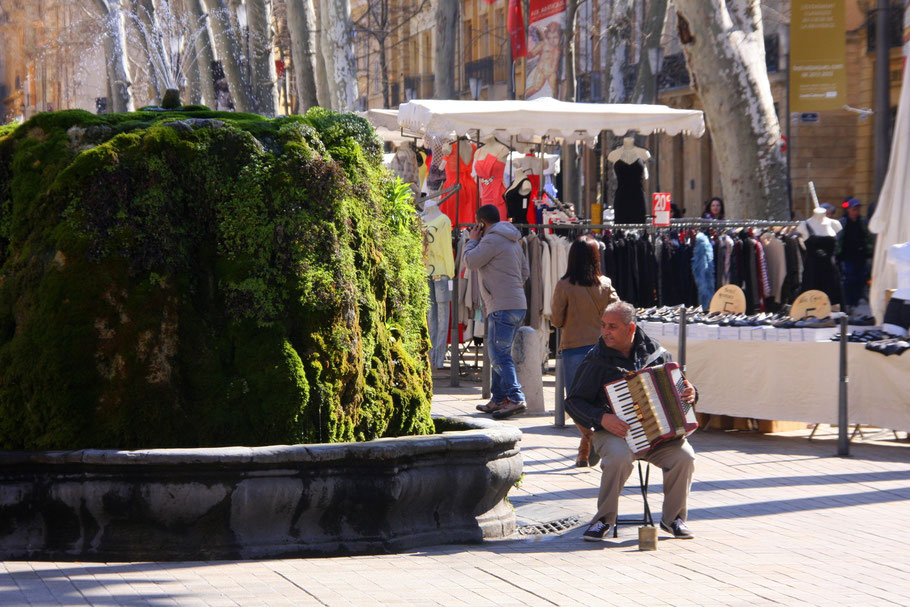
[475,84]
[656,60]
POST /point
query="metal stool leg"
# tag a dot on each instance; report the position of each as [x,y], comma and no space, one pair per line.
[643,478]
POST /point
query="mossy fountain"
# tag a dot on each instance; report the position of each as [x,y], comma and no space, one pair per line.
[174,284]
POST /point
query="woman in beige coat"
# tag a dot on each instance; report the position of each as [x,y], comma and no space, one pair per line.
[579,300]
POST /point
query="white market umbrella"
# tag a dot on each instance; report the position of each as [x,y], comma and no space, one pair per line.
[560,120]
[891,220]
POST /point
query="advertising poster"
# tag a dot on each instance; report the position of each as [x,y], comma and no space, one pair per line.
[818,49]
[546,36]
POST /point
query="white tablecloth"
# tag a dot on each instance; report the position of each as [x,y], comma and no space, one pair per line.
[797,381]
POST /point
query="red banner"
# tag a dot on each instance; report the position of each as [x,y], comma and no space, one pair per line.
[515,22]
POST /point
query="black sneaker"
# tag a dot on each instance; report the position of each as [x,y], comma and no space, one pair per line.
[678,528]
[509,408]
[599,531]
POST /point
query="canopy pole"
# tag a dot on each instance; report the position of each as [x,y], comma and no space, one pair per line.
[453,338]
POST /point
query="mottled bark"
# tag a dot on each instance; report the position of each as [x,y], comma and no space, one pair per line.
[444,58]
[228,49]
[205,53]
[723,42]
[618,37]
[150,37]
[262,57]
[118,71]
[653,26]
[338,52]
[303,31]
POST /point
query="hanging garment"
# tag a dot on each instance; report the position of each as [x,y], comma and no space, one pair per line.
[465,200]
[435,176]
[820,271]
[703,269]
[629,200]
[793,276]
[439,259]
[489,171]
[535,199]
[776,258]
[404,164]
[438,320]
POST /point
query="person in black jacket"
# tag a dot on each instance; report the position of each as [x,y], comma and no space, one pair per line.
[624,347]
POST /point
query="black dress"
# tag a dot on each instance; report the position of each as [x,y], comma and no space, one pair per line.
[517,203]
[629,201]
[820,271]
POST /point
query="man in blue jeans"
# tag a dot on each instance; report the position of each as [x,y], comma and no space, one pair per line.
[494,251]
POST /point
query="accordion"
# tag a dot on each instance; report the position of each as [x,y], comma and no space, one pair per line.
[648,400]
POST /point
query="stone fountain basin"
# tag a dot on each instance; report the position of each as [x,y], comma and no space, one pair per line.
[385,495]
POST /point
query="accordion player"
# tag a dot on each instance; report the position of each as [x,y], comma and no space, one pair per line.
[649,401]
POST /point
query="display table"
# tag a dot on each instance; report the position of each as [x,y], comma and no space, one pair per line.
[793,380]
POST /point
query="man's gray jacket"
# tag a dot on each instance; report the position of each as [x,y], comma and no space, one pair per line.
[502,265]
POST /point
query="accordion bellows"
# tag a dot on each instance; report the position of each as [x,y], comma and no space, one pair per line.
[648,400]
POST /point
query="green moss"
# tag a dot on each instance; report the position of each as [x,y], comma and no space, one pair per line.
[251,282]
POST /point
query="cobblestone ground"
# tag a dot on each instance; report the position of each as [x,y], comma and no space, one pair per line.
[779,520]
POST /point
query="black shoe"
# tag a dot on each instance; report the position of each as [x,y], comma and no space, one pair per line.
[678,528]
[599,531]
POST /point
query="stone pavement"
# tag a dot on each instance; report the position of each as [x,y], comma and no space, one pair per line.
[779,520]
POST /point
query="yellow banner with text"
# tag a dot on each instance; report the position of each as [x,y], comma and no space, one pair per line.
[818,49]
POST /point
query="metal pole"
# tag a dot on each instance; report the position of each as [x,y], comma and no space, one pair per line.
[882,94]
[560,416]
[656,147]
[843,444]
[682,337]
[453,376]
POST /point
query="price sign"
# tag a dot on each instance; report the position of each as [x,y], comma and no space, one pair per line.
[660,208]
[811,304]
[729,299]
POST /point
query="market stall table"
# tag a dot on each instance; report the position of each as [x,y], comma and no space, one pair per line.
[793,380]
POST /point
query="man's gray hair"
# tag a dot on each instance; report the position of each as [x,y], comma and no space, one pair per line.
[624,309]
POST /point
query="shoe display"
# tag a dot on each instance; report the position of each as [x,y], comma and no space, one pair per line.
[678,529]
[491,406]
[599,531]
[510,408]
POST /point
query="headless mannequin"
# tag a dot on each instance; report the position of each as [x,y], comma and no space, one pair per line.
[628,152]
[464,150]
[430,211]
[491,146]
[820,223]
[519,181]
[630,167]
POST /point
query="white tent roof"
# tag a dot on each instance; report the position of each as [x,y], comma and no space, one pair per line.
[386,124]
[545,116]
[891,220]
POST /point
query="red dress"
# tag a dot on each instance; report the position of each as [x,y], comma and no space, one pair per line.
[489,171]
[467,196]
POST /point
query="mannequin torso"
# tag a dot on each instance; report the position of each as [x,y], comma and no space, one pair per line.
[629,165]
[818,225]
[628,152]
[491,146]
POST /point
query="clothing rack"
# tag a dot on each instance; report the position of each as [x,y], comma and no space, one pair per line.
[586,227]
